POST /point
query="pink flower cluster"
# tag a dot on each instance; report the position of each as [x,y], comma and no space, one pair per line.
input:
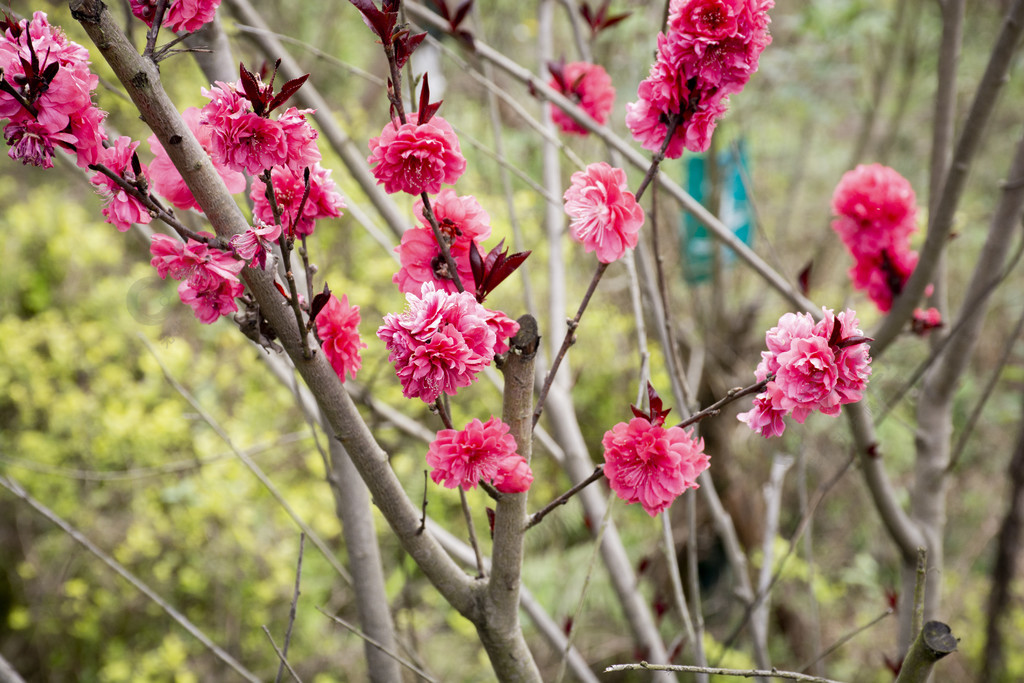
[299,217]
[122,209]
[337,326]
[256,243]
[480,452]
[168,183]
[243,140]
[605,215]
[46,93]
[209,276]
[180,15]
[587,85]
[440,342]
[416,157]
[813,367]
[648,464]
[462,221]
[708,52]
[876,213]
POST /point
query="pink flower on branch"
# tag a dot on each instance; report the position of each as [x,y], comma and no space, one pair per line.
[180,15]
[416,157]
[709,51]
[480,452]
[462,220]
[876,213]
[809,367]
[122,209]
[256,243]
[587,85]
[337,326]
[209,276]
[605,215]
[439,343]
[299,211]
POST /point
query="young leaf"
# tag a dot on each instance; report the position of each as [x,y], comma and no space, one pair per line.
[318,303]
[287,90]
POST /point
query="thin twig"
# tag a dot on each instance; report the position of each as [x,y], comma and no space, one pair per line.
[919,586]
[14,487]
[741,673]
[291,615]
[845,639]
[252,466]
[394,655]
[730,396]
[668,546]
[282,656]
[536,517]
[154,30]
[471,528]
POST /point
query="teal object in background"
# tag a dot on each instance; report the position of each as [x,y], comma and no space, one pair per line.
[734,210]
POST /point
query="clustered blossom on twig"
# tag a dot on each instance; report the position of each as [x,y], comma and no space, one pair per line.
[647,463]
[814,367]
[209,276]
[440,342]
[46,90]
[416,157]
[122,209]
[587,85]
[709,50]
[299,209]
[483,451]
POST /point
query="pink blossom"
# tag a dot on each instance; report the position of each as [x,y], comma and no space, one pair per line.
[504,329]
[605,215]
[166,180]
[439,343]
[480,452]
[926,320]
[337,326]
[462,220]
[810,367]
[180,15]
[60,112]
[709,51]
[256,243]
[587,85]
[242,140]
[209,276]
[648,464]
[122,209]
[416,158]
[876,213]
[323,201]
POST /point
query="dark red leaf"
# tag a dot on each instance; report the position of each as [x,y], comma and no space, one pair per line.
[804,278]
[467,38]
[382,23]
[136,165]
[50,71]
[251,86]
[837,332]
[281,289]
[406,45]
[477,264]
[287,90]
[853,341]
[611,21]
[318,303]
[490,520]
[424,98]
[442,8]
[461,13]
[639,413]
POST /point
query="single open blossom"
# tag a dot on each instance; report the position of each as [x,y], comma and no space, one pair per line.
[709,50]
[811,367]
[323,200]
[180,15]
[166,180]
[605,215]
[256,243]
[876,212]
[589,86]
[462,220]
[122,209]
[480,452]
[647,463]
[416,158]
[337,326]
[53,82]
[439,343]
[925,321]
[209,276]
